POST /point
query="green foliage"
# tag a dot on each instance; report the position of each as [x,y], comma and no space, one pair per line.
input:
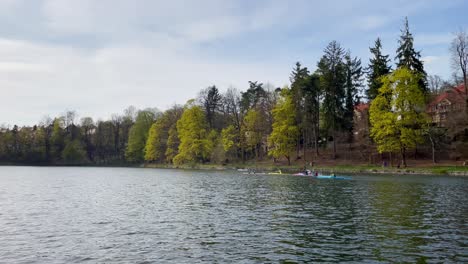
[196,142]
[138,136]
[74,153]
[229,138]
[223,127]
[155,147]
[162,143]
[159,135]
[397,113]
[172,144]
[253,130]
[282,140]
[58,137]
[38,151]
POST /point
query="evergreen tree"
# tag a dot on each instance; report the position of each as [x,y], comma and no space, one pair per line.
[311,119]
[378,67]
[332,73]
[298,79]
[252,97]
[211,101]
[353,84]
[408,57]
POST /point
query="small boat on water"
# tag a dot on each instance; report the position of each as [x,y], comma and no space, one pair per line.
[304,173]
[327,177]
[332,177]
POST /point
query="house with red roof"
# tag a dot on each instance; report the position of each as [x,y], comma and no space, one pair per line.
[446,104]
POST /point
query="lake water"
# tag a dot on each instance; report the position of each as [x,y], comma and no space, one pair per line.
[119,215]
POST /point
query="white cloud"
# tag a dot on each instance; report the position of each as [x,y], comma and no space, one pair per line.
[437,64]
[53,78]
[100,56]
[427,39]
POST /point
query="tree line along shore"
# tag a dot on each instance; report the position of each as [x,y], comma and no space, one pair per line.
[341,113]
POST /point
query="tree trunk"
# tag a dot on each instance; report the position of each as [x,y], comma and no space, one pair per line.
[298,146]
[466,92]
[403,156]
[433,150]
[334,145]
[289,160]
[243,155]
[317,129]
[316,141]
[304,146]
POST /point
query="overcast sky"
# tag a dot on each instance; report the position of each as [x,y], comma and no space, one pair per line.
[98,57]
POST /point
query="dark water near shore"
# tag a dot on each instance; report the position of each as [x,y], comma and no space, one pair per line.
[117,215]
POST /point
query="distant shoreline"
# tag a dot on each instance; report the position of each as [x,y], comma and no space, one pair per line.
[348,169]
[287,170]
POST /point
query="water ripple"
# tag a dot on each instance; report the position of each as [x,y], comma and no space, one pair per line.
[167,216]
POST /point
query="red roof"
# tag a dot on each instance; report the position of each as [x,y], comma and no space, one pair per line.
[454,95]
[361,107]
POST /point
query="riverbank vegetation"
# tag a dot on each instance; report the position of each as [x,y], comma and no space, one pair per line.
[321,117]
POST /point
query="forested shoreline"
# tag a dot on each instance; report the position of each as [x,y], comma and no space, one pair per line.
[317,116]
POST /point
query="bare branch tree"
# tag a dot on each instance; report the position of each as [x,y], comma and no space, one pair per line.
[435,83]
[459,53]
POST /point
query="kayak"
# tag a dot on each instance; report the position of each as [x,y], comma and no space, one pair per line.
[331,177]
[324,177]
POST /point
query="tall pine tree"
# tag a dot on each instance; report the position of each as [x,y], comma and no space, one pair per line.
[299,79]
[311,129]
[332,72]
[409,58]
[378,67]
[353,84]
